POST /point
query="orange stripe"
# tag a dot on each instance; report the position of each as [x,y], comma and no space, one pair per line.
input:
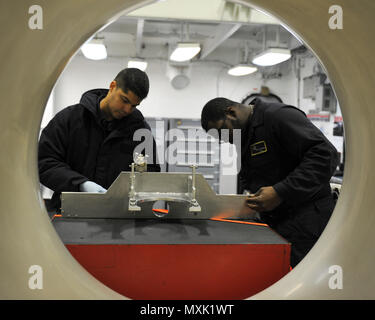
[244,222]
[56,216]
[160,210]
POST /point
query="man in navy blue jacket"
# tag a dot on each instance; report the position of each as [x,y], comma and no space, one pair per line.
[286,166]
[85,146]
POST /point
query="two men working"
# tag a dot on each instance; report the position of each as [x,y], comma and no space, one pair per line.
[286,161]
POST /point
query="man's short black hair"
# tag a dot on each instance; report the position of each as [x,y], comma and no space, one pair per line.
[214,110]
[134,80]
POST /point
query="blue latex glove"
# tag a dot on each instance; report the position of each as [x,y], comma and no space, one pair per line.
[90,186]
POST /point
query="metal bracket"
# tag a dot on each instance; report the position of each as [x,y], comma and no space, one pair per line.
[140,197]
[132,194]
[195,205]
[186,194]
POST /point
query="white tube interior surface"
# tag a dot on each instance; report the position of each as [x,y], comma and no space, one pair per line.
[32,60]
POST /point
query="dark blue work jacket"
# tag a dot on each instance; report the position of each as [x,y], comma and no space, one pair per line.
[282,148]
[79,145]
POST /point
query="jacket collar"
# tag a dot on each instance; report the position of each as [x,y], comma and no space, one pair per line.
[91,99]
[257,117]
[254,120]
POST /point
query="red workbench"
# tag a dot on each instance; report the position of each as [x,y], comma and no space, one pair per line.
[177,259]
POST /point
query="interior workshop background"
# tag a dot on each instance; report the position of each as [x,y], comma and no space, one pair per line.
[228,36]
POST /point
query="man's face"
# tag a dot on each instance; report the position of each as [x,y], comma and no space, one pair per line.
[225,129]
[120,104]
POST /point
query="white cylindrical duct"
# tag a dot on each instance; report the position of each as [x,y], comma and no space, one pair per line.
[178,75]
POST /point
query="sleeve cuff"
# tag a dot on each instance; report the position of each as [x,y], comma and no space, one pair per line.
[282,191]
[77,182]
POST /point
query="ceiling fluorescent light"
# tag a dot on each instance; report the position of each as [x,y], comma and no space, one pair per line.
[94,50]
[242,70]
[272,56]
[137,63]
[185,51]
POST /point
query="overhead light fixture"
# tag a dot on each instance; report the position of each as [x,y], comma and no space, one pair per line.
[137,63]
[272,56]
[94,50]
[185,51]
[242,70]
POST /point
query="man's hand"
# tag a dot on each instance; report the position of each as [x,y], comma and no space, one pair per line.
[265,199]
[90,186]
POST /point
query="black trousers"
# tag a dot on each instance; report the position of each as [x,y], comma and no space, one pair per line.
[302,226]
